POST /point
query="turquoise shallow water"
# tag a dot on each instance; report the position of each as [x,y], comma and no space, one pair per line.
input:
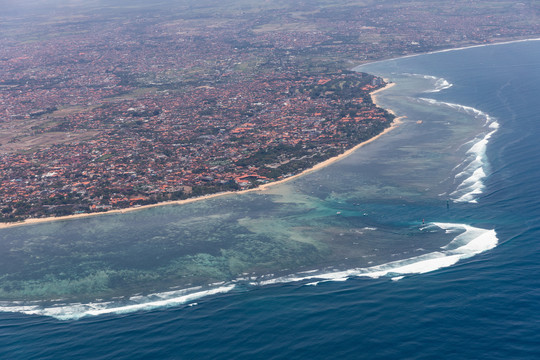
[463,284]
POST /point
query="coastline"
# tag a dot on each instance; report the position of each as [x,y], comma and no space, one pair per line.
[445,50]
[395,123]
[327,162]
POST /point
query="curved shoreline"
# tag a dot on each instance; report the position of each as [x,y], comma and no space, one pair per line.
[318,166]
[393,125]
[443,51]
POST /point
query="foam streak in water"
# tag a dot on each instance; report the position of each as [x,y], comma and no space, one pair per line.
[473,170]
[439,83]
[136,303]
[471,241]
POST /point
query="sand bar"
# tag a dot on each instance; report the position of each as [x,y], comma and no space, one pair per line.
[263,187]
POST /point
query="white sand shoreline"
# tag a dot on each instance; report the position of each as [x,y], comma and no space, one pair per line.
[327,162]
[263,187]
[445,50]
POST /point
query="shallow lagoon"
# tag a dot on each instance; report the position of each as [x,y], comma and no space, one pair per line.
[486,306]
[377,206]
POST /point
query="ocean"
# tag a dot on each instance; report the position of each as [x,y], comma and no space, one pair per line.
[422,244]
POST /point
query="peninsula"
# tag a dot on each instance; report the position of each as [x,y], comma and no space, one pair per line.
[98,114]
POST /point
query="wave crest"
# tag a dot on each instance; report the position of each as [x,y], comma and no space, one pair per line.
[468,242]
[438,82]
[471,241]
[134,303]
[475,168]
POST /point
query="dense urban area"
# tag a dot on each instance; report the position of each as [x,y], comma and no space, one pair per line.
[116,106]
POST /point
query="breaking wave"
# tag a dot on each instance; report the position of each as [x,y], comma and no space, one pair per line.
[469,242]
[438,83]
[472,172]
[70,311]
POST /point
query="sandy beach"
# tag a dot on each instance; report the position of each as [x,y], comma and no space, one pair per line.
[374,93]
[263,187]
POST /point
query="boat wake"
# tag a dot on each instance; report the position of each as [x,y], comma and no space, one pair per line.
[472,171]
[468,242]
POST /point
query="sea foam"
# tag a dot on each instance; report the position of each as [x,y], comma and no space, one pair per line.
[438,82]
[470,241]
[74,311]
[472,172]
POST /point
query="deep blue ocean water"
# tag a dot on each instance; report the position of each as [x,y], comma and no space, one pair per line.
[474,144]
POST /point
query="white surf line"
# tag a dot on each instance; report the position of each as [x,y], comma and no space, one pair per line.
[136,303]
[471,178]
[470,242]
[439,83]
